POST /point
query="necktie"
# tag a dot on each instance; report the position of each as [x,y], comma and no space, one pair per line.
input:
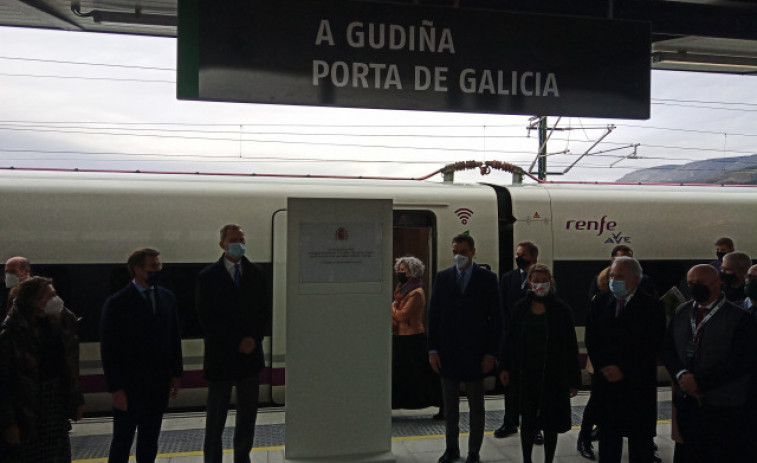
[701,312]
[237,275]
[149,295]
[619,307]
[461,282]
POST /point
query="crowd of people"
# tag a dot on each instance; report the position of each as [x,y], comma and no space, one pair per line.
[514,327]
[141,355]
[518,329]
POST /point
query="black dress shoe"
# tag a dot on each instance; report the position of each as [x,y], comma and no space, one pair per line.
[585,448]
[473,458]
[539,439]
[505,430]
[450,456]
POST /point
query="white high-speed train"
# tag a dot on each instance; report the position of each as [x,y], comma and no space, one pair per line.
[79,227]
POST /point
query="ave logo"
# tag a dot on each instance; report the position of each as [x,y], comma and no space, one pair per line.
[617,238]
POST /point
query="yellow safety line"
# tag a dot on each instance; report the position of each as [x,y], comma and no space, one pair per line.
[197,453]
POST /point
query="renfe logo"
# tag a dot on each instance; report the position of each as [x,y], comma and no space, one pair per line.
[600,225]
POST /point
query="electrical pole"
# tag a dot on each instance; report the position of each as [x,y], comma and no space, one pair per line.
[542,169]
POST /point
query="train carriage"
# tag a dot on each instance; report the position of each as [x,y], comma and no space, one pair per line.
[79,227]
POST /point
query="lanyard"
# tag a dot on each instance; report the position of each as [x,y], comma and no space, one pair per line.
[697,329]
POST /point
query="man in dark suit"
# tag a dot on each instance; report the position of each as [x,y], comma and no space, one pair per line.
[464,328]
[140,345]
[513,287]
[624,331]
[235,315]
[710,351]
[599,284]
[723,246]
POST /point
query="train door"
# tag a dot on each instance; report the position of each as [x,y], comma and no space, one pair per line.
[413,234]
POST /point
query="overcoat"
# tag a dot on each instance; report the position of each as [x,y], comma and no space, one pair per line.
[562,370]
[228,314]
[631,341]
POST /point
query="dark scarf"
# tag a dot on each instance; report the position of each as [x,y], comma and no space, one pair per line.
[402,290]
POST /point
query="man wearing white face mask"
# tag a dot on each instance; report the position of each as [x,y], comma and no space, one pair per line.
[464,329]
[17,269]
[235,315]
[624,332]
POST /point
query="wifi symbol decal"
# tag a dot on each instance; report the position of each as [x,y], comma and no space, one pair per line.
[464,214]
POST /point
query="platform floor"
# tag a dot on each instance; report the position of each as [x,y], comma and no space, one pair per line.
[416,438]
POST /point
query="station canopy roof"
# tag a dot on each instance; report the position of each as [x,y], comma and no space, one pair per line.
[688,35]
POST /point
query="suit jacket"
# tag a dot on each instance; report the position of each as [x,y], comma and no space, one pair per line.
[227,315]
[511,290]
[464,327]
[141,350]
[631,341]
[724,356]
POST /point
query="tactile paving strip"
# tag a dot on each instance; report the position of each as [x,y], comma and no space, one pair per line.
[190,440]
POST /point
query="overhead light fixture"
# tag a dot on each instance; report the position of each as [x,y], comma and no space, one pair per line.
[706,62]
[137,18]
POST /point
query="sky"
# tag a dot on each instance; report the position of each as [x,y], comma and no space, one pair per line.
[105,101]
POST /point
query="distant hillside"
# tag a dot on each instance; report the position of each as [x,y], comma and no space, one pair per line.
[738,170]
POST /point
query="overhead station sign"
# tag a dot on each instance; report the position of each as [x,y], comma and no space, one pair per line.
[389,56]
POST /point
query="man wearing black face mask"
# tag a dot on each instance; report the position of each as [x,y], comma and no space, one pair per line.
[723,246]
[513,287]
[140,345]
[709,350]
[733,272]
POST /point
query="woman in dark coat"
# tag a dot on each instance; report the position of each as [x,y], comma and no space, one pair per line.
[540,359]
[38,376]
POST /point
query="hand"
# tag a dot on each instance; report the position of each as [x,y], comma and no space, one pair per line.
[173,389]
[247,345]
[119,400]
[435,362]
[11,435]
[488,364]
[504,377]
[573,392]
[689,385]
[612,373]
[79,413]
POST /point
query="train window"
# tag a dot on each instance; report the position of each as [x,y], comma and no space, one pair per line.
[85,287]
